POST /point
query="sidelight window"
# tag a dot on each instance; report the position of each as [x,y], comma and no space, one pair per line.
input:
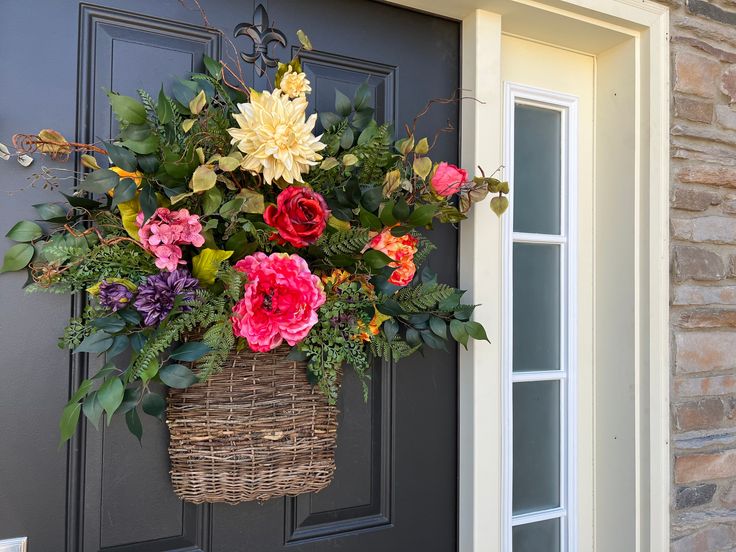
[539,321]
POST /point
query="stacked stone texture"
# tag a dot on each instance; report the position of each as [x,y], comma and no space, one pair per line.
[703,232]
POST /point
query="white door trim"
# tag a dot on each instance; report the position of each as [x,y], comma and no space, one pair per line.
[589,26]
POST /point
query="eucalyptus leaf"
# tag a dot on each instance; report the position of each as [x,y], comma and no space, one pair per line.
[190,351]
[177,376]
[133,421]
[110,395]
[98,342]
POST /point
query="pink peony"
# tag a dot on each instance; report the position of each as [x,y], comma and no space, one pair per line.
[165,231]
[280,301]
[448,179]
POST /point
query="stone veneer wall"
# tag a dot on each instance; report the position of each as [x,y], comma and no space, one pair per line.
[703,294]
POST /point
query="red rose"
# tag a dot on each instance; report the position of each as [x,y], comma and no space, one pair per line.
[299,216]
[448,179]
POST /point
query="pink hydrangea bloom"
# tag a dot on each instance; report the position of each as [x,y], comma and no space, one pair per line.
[280,301]
[165,231]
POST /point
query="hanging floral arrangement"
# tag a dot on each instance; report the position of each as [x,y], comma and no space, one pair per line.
[221,220]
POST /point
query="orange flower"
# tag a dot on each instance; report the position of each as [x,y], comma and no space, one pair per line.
[401,249]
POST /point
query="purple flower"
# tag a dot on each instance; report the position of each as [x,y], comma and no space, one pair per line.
[114,296]
[156,297]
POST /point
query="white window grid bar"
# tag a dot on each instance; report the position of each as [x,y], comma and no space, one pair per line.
[516,94]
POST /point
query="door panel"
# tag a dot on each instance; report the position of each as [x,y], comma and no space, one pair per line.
[396,456]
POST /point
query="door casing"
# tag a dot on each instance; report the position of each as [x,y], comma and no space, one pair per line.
[629,40]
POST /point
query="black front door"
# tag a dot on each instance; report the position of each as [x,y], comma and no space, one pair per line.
[396,482]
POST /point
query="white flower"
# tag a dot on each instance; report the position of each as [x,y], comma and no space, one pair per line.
[275,137]
[294,84]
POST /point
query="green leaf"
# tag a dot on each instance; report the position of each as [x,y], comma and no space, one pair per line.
[390,307]
[432,340]
[369,220]
[458,332]
[100,182]
[343,105]
[133,421]
[412,337]
[371,198]
[69,420]
[148,163]
[328,119]
[198,102]
[98,342]
[119,344]
[476,331]
[362,95]
[387,215]
[131,398]
[177,376]
[25,231]
[121,157]
[231,208]
[154,405]
[148,201]
[203,179]
[450,303]
[112,323]
[184,91]
[422,147]
[422,215]
[124,191]
[499,204]
[130,315]
[17,257]
[136,133]
[190,351]
[304,40]
[211,200]
[50,211]
[212,67]
[376,259]
[81,391]
[390,329]
[347,138]
[127,109]
[422,166]
[145,146]
[92,409]
[438,326]
[83,202]
[163,108]
[105,371]
[401,209]
[110,395]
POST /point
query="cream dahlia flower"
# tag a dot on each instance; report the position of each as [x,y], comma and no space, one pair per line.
[275,137]
[294,84]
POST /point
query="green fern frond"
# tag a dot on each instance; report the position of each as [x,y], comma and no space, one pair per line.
[344,242]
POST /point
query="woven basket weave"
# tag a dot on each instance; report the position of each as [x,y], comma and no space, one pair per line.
[256,430]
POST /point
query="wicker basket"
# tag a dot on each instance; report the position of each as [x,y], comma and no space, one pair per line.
[254,431]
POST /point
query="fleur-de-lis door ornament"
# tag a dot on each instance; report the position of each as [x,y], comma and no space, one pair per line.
[262,35]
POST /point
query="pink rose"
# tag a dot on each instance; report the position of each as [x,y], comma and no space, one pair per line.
[280,301]
[300,216]
[448,179]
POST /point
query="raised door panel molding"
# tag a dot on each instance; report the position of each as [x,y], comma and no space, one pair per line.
[360,496]
[123,491]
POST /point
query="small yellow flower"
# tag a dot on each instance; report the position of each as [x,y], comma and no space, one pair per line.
[294,84]
[276,137]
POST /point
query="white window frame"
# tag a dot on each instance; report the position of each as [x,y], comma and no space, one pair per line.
[567,240]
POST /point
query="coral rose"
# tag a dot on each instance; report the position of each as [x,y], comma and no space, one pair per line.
[448,179]
[300,216]
[401,250]
[280,301]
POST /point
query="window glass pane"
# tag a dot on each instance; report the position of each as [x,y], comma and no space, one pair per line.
[537,165]
[536,441]
[543,536]
[536,307]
